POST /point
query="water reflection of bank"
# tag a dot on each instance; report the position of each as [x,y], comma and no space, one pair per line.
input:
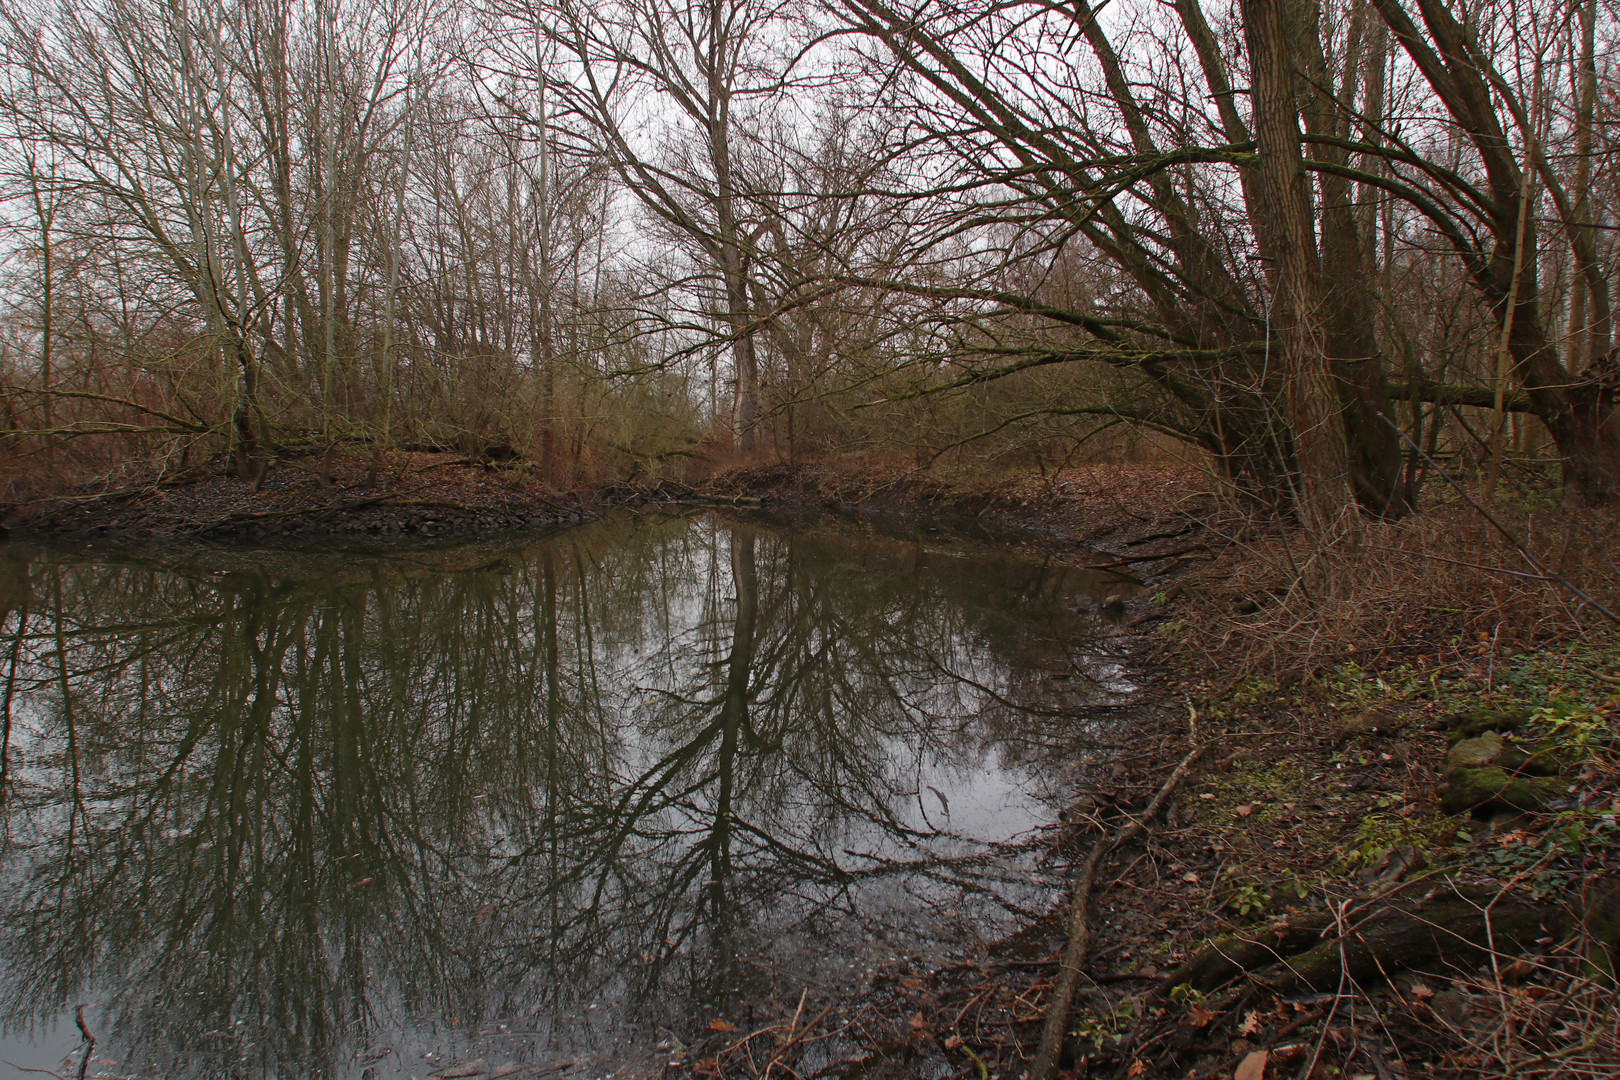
[277,811]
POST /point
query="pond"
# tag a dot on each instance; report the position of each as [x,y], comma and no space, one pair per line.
[538,806]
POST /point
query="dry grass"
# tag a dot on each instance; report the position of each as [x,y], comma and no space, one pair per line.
[1442,587]
[1528,1017]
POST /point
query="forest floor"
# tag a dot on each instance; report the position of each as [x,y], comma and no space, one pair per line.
[1395,852]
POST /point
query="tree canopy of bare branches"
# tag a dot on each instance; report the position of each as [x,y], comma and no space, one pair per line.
[1303,238]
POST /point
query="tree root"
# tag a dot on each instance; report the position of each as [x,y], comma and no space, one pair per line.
[1306,955]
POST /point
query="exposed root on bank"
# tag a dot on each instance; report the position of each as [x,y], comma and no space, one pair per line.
[1371,941]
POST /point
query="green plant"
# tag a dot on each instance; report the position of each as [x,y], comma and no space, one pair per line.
[1170,628]
[1547,862]
[1099,1029]
[1251,689]
[1188,996]
[1249,898]
[1377,835]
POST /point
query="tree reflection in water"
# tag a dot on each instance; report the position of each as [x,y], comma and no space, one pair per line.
[291,813]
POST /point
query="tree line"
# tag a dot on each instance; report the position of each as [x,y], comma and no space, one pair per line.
[1315,241]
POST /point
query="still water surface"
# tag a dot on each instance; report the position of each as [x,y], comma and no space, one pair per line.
[537,807]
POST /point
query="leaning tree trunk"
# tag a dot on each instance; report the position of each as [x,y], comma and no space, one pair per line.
[1578,408]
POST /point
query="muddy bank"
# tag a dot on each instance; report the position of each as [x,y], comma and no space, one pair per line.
[1102,508]
[405,494]
[1141,521]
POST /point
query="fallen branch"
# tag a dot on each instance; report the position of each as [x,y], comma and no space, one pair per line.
[1150,557]
[396,500]
[1313,953]
[1172,534]
[1074,954]
[89,1041]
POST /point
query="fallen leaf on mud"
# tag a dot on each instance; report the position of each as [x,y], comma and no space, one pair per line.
[1190,877]
[917,1022]
[362,881]
[1207,795]
[1252,1067]
[1244,811]
[1251,1023]
[1138,1068]
[722,1025]
[911,984]
[953,1042]
[1422,991]
[1198,1017]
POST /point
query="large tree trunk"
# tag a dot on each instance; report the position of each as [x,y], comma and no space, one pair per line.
[1348,312]
[1323,497]
[729,243]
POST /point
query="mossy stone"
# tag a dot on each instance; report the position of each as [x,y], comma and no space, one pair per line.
[1470,788]
[1471,722]
[1599,906]
[1550,758]
[1475,753]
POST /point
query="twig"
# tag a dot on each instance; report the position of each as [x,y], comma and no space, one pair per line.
[1338,995]
[25,1068]
[89,1041]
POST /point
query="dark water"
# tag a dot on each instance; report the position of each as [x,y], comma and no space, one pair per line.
[504,808]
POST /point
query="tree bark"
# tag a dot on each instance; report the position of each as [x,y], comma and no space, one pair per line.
[1348,310]
[1323,497]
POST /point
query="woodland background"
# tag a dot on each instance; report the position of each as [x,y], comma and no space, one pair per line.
[1315,246]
